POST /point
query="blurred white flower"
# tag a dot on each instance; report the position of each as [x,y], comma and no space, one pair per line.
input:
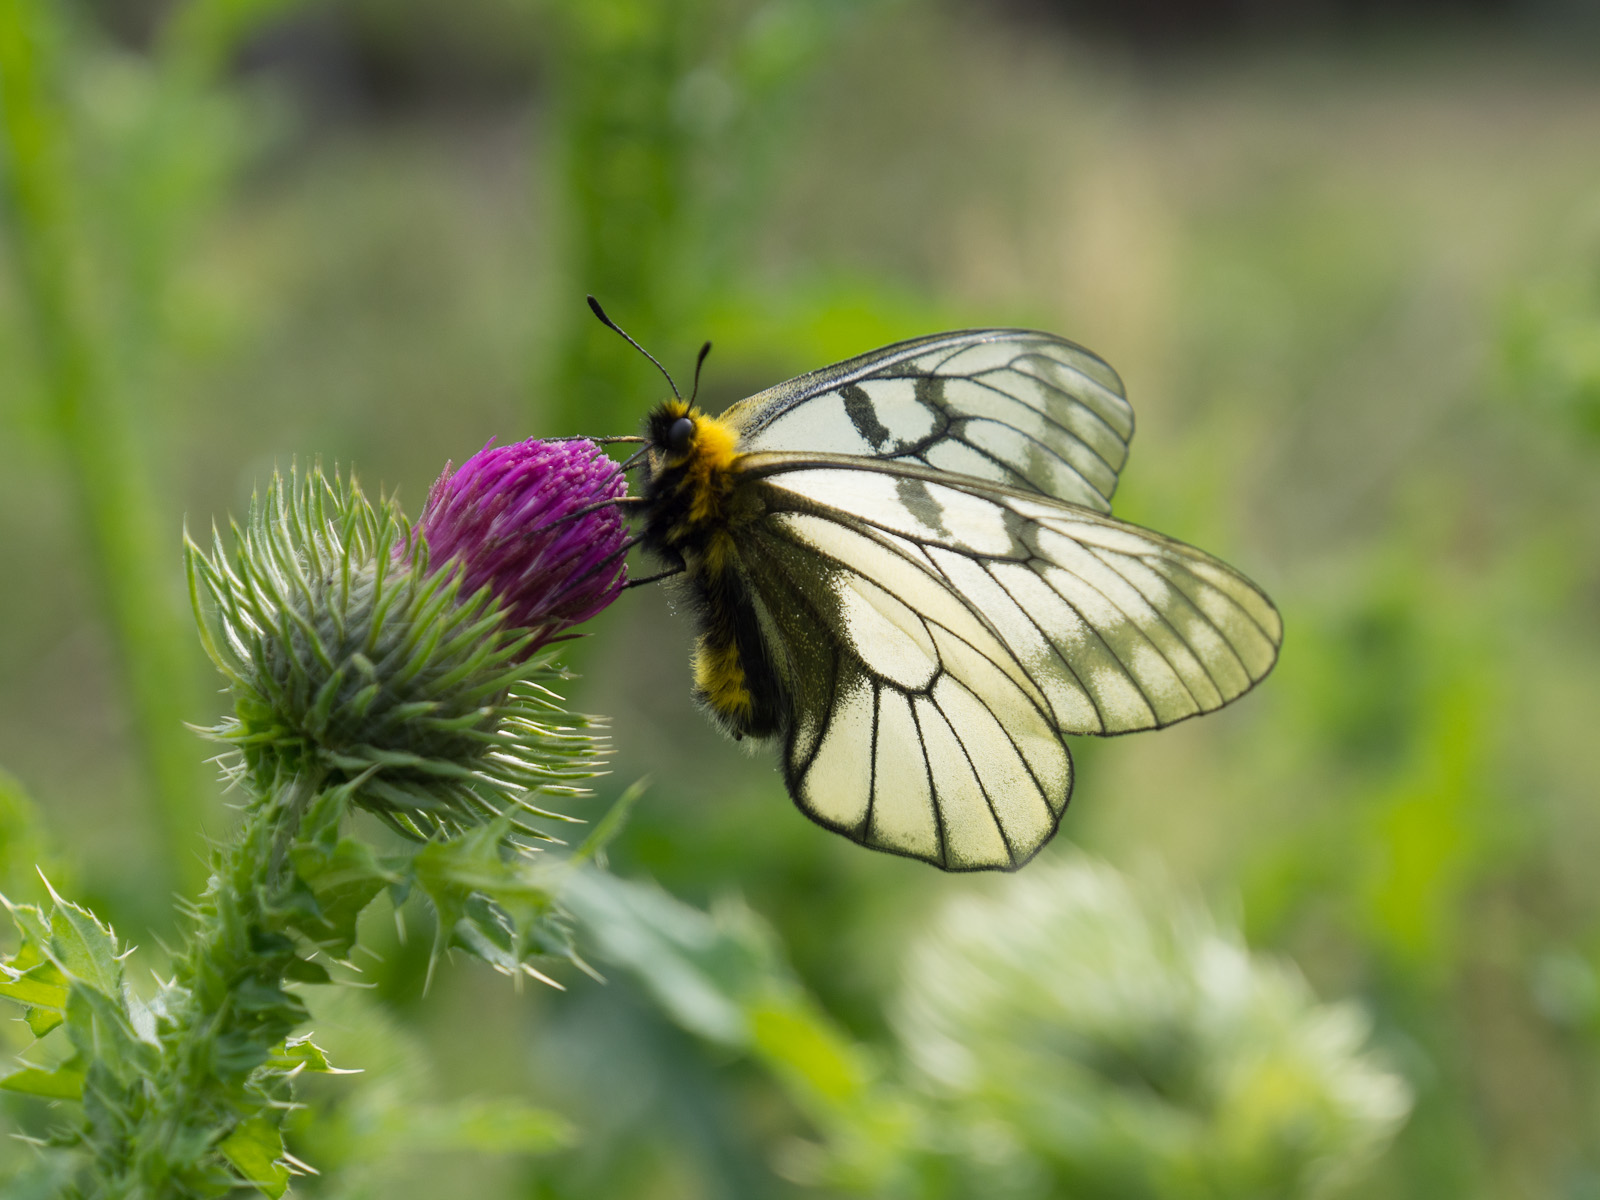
[1077,1036]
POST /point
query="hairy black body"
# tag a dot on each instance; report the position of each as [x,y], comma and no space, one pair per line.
[694,508]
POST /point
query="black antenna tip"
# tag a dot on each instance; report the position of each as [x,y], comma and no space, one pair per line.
[698,363]
[594,307]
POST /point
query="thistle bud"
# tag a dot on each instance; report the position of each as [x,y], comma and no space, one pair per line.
[533,523]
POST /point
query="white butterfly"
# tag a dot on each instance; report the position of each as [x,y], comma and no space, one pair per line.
[905,569]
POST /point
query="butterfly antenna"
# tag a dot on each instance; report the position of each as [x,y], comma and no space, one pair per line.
[594,306]
[698,363]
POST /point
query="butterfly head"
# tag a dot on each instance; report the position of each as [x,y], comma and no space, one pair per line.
[682,437]
[672,432]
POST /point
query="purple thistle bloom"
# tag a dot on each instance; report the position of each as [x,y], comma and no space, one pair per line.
[507,516]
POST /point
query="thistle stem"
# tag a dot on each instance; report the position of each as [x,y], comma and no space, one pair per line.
[234,1008]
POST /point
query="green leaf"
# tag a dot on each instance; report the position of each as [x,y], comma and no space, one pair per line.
[476,861]
[669,946]
[490,902]
[265,997]
[484,930]
[33,979]
[343,880]
[302,1050]
[102,1032]
[42,1020]
[85,949]
[235,1055]
[609,825]
[30,920]
[303,970]
[255,1148]
[60,1084]
[722,976]
[37,989]
[810,1052]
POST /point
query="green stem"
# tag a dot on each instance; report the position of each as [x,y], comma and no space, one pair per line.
[112,490]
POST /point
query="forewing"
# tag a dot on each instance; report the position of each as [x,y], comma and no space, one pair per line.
[1025,409]
[903,735]
[965,630]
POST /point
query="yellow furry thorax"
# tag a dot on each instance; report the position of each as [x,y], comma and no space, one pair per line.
[715,442]
[707,467]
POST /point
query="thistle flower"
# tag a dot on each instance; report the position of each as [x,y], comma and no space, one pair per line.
[531,522]
[356,661]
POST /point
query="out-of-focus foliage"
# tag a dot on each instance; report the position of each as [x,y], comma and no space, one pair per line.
[1349,284]
[671,117]
[1063,1034]
[1552,351]
[107,161]
[24,856]
[723,977]
[366,1133]
[1078,1038]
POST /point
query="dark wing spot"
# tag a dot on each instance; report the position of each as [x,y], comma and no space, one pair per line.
[919,502]
[930,393]
[858,406]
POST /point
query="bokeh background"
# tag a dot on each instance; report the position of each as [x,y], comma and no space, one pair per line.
[1346,257]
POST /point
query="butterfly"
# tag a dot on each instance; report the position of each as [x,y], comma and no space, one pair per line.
[905,572]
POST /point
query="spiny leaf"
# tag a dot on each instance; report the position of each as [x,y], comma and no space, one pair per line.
[60,1084]
[85,949]
[101,1031]
[304,970]
[304,1053]
[42,1020]
[342,880]
[31,922]
[255,1148]
[496,905]
[33,980]
[609,825]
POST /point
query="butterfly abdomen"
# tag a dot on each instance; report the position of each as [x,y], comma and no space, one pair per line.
[695,511]
[733,675]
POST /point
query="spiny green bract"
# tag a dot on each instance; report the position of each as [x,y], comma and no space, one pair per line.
[354,660]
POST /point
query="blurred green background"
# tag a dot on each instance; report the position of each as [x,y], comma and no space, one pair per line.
[1346,258]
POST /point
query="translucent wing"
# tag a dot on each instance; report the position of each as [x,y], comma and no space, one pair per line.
[942,635]
[1029,410]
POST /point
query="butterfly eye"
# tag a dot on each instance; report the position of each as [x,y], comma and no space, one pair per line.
[680,435]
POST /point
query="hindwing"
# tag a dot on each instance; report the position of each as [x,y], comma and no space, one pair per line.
[937,636]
